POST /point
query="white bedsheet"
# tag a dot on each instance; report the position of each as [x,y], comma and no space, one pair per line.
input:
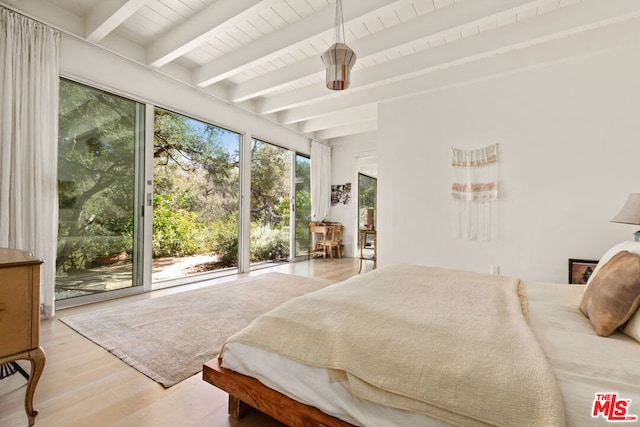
[584,364]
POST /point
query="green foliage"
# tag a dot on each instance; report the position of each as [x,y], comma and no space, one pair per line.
[96,157]
[284,207]
[303,172]
[225,242]
[367,193]
[176,230]
[270,187]
[303,214]
[195,188]
[303,203]
[96,243]
[269,243]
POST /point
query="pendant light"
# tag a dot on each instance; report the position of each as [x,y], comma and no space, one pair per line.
[339,58]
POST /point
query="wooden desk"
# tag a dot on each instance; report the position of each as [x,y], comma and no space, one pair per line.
[20,317]
[364,232]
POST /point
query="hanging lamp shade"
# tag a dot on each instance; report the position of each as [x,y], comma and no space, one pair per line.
[339,59]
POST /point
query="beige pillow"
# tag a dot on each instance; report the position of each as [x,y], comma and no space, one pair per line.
[614,295]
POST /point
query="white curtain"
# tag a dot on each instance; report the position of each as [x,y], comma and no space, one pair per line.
[320,181]
[29,53]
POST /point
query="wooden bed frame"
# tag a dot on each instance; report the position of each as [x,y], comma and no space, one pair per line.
[246,392]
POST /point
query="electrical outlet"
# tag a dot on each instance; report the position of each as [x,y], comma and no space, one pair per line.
[495,270]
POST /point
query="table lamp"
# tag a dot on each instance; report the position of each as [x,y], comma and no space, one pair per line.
[630,213]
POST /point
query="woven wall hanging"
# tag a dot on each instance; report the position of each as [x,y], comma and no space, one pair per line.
[475,193]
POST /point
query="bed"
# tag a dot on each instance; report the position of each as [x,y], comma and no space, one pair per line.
[557,367]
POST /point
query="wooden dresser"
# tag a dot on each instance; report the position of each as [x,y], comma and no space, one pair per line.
[20,317]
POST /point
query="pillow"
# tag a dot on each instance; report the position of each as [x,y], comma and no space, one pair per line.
[633,327]
[614,295]
[628,245]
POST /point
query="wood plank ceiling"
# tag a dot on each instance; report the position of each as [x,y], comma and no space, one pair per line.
[264,55]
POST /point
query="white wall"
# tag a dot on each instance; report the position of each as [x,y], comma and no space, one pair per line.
[569,136]
[348,156]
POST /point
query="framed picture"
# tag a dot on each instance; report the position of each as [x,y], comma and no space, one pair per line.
[580,270]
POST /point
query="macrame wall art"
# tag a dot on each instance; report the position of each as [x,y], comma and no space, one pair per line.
[475,193]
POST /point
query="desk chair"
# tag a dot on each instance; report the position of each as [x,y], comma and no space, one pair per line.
[333,239]
[324,237]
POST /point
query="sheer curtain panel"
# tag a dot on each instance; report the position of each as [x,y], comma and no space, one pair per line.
[320,181]
[29,53]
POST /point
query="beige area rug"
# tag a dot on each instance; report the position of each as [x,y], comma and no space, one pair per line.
[169,338]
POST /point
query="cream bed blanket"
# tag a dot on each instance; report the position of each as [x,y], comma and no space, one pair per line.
[449,344]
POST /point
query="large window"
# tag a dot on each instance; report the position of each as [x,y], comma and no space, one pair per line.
[270,203]
[185,222]
[196,197]
[99,146]
[302,204]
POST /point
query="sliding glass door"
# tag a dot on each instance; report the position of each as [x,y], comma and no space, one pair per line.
[99,157]
[195,198]
[188,204]
[302,205]
[270,204]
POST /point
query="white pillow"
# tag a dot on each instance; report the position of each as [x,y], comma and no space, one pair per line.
[633,327]
[627,245]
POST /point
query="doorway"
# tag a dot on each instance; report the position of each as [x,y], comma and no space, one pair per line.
[367,205]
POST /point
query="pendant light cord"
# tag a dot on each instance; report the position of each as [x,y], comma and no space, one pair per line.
[339,36]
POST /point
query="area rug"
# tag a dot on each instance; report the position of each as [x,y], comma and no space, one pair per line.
[170,337]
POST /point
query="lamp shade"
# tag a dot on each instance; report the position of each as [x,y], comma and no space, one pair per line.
[630,213]
[339,59]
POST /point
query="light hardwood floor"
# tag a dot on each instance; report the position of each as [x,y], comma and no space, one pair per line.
[84,385]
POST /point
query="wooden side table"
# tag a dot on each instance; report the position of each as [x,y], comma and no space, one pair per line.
[364,232]
[20,317]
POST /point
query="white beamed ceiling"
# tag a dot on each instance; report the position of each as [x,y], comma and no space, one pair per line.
[264,55]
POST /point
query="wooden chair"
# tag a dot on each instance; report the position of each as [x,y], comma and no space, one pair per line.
[333,239]
[324,238]
[318,235]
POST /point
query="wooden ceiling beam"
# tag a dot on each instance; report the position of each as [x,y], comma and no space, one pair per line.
[201,28]
[106,16]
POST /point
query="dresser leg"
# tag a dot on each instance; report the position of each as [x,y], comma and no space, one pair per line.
[37,359]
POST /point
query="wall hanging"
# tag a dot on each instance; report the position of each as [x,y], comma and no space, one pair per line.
[475,192]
